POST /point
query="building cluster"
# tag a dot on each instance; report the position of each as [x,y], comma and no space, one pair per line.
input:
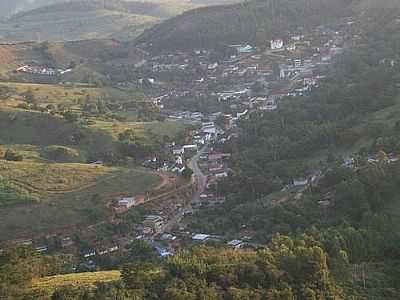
[245,78]
[40,70]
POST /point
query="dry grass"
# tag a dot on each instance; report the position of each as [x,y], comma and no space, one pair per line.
[147,132]
[43,179]
[54,94]
[88,280]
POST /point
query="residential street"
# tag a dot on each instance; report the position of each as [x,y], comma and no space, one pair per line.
[201,182]
[200,177]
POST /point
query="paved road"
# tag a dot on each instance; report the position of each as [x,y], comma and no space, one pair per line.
[200,177]
[201,182]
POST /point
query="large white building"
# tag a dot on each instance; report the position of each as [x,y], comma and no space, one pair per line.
[276,44]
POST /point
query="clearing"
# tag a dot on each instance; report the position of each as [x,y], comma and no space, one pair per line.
[47,285]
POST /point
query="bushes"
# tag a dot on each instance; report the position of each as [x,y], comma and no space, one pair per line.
[12,155]
[11,194]
[60,154]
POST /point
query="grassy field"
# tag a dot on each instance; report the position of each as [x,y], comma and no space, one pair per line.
[82,207]
[59,94]
[47,285]
[45,179]
[60,24]
[144,131]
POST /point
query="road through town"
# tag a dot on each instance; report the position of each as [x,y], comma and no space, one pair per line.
[201,181]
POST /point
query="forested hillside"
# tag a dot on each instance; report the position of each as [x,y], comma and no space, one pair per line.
[254,22]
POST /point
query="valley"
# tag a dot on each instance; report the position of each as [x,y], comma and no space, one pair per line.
[176,150]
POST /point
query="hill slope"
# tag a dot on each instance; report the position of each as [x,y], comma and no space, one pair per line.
[252,22]
[71,21]
[78,19]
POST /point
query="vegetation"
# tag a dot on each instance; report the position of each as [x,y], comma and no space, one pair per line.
[335,238]
[11,194]
[60,154]
[116,18]
[251,22]
[82,195]
[47,285]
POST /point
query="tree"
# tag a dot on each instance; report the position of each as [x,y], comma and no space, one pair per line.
[187,173]
[127,135]
[71,116]
[140,251]
[12,155]
[67,293]
[139,276]
[29,96]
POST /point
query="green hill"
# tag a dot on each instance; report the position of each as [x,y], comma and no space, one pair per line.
[71,21]
[253,22]
[78,20]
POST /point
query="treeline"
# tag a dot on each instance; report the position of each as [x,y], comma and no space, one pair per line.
[317,264]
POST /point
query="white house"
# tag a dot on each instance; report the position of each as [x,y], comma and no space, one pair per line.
[127,202]
[276,44]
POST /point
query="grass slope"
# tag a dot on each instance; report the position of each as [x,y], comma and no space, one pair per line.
[47,285]
[147,132]
[70,21]
[74,209]
[44,179]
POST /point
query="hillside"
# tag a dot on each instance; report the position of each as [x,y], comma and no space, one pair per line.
[78,20]
[253,22]
[47,285]
[71,21]
[10,7]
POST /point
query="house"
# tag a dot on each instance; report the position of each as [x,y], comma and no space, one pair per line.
[349,163]
[299,182]
[196,116]
[276,44]
[269,105]
[190,149]
[168,237]
[199,140]
[392,158]
[236,244]
[41,249]
[212,66]
[163,252]
[66,242]
[210,200]
[218,157]
[214,116]
[207,124]
[221,175]
[244,49]
[178,150]
[215,167]
[153,222]
[239,115]
[200,237]
[126,203]
[179,160]
[211,129]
